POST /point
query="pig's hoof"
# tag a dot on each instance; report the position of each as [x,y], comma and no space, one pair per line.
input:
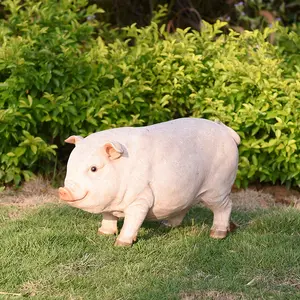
[119,243]
[221,234]
[218,234]
[106,232]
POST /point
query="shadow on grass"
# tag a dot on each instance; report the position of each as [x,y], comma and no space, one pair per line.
[198,216]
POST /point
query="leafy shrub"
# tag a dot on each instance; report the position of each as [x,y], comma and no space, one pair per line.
[58,79]
[238,79]
[288,40]
[44,72]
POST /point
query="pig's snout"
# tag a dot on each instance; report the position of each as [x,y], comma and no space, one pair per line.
[65,194]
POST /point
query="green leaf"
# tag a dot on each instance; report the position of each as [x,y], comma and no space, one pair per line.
[33,148]
[277,133]
[29,100]
[20,151]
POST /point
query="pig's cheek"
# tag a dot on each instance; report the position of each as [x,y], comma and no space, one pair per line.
[106,190]
[100,184]
[111,181]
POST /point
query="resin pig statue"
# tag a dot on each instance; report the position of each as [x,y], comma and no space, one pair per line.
[155,172]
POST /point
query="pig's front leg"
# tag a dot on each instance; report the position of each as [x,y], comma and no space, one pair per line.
[108,224]
[135,215]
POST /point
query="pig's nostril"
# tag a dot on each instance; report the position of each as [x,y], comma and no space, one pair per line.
[64,194]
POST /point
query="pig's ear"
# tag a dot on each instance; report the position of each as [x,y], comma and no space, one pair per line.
[113,150]
[73,139]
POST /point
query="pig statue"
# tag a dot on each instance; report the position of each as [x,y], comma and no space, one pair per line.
[155,172]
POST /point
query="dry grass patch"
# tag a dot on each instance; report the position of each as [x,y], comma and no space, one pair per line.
[32,193]
[250,199]
[266,197]
[31,288]
[39,191]
[211,295]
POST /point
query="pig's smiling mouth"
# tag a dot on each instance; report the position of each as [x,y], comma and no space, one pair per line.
[75,200]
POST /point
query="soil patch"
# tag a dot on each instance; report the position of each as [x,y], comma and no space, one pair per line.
[32,193]
[264,197]
[211,295]
[40,191]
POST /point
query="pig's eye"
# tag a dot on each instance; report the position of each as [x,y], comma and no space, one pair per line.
[93,169]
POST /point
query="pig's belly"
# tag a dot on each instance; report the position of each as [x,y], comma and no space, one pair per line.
[176,188]
[163,213]
[171,202]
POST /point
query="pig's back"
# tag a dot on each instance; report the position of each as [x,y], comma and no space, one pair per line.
[174,132]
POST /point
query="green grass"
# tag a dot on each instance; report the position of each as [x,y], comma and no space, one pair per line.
[53,252]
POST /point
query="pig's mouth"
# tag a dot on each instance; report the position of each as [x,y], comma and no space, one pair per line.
[78,199]
[66,195]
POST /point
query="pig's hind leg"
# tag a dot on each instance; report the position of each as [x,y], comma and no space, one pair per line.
[216,195]
[108,224]
[221,222]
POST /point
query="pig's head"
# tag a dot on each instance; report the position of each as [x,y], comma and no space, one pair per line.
[92,180]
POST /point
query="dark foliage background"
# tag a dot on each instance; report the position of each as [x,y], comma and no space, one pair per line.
[247,14]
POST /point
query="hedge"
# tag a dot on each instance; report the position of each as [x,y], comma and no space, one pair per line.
[59,76]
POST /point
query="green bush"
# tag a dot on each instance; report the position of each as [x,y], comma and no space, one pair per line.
[46,81]
[59,77]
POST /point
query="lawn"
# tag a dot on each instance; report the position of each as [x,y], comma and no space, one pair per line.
[52,251]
